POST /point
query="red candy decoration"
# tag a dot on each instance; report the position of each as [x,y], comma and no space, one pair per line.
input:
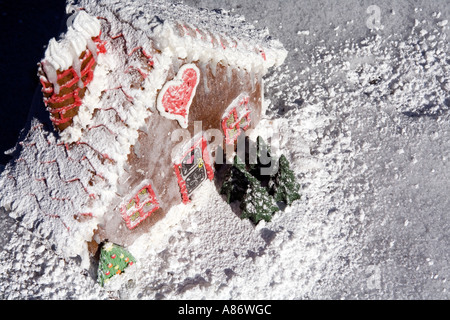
[175,99]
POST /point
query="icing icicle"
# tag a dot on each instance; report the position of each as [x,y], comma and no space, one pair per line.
[92,48]
[213,66]
[205,76]
[229,74]
[52,76]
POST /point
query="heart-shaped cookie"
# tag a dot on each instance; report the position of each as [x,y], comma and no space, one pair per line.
[175,98]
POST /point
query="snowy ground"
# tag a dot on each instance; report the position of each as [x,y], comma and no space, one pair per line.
[364,116]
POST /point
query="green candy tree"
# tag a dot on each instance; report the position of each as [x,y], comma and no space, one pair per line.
[113,261]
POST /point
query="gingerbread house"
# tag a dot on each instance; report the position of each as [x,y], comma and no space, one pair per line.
[132,90]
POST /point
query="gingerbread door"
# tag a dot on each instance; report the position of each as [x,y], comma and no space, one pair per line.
[194,168]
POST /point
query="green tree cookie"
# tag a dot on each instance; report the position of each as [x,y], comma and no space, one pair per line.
[113,261]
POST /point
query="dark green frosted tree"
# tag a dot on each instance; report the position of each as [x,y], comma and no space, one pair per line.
[259,191]
[257,203]
[236,183]
[284,185]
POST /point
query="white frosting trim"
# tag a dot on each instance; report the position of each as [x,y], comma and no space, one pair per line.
[201,48]
[60,54]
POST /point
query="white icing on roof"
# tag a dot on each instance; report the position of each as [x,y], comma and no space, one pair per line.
[60,54]
[196,34]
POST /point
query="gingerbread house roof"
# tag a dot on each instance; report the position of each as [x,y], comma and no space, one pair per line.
[60,184]
[193,34]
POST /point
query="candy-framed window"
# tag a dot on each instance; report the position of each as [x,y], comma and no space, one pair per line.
[140,207]
[237,119]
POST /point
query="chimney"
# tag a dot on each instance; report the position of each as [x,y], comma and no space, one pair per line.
[68,68]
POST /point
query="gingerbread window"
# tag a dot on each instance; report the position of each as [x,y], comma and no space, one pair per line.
[140,207]
[236,119]
[193,167]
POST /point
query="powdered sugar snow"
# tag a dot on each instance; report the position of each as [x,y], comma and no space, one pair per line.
[363,117]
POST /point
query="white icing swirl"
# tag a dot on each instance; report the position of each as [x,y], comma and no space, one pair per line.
[86,24]
[60,54]
[63,54]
